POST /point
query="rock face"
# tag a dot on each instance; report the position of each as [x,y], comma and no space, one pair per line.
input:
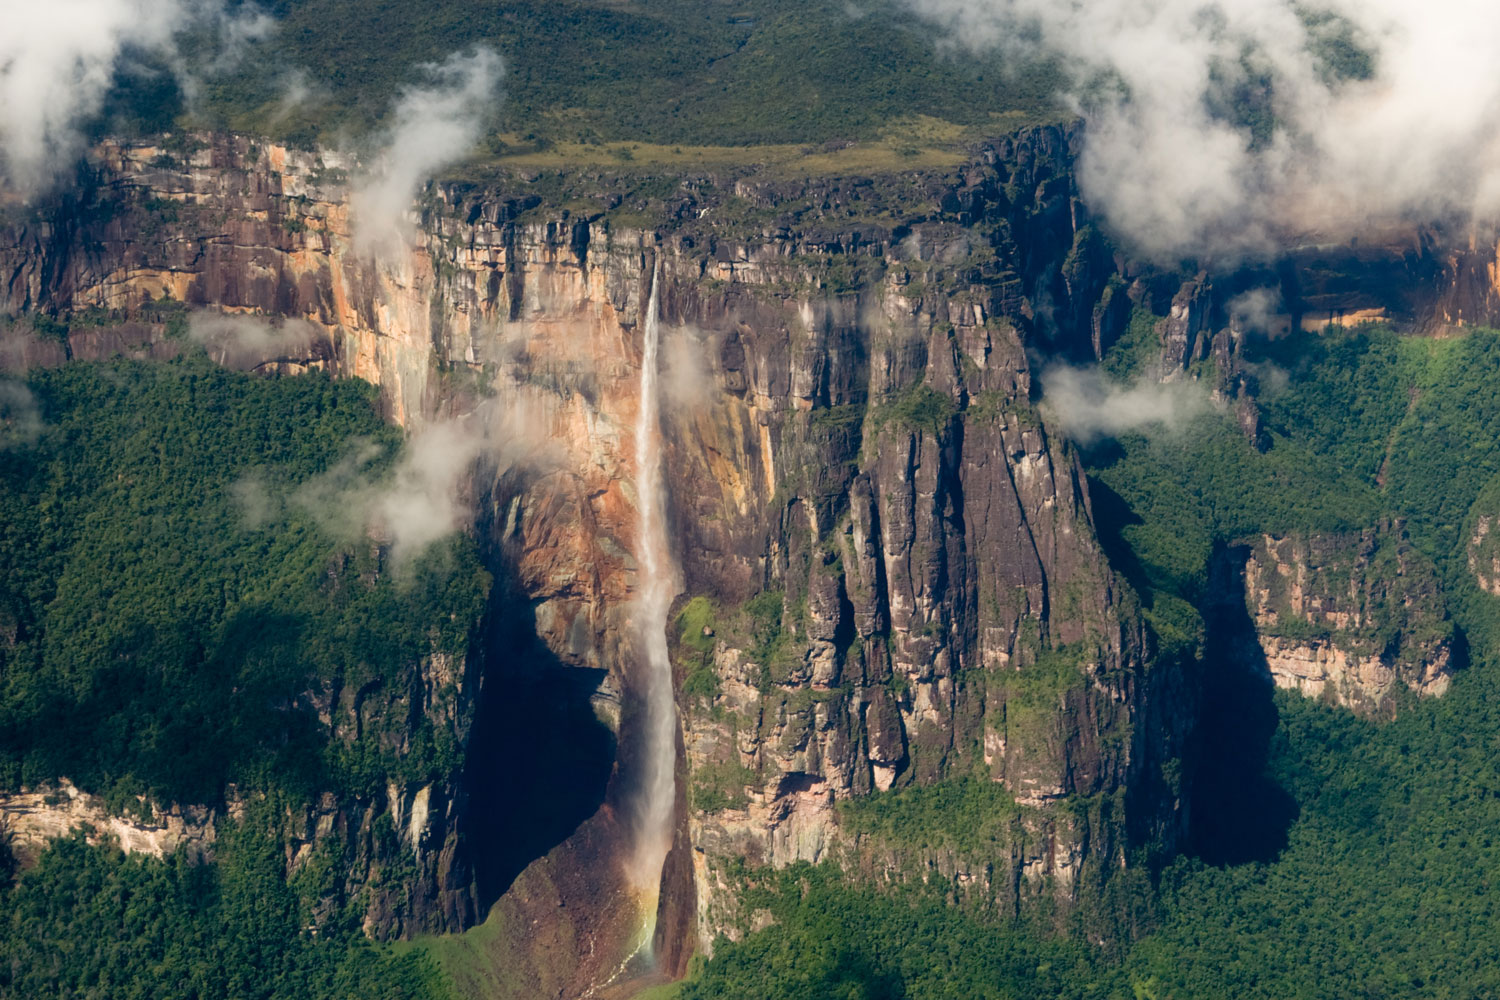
[29,819]
[1484,554]
[891,556]
[1349,618]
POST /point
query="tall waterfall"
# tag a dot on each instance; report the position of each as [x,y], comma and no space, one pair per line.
[657,789]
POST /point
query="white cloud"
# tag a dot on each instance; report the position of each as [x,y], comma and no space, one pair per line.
[1417,139]
[430,127]
[422,499]
[56,63]
[246,342]
[20,417]
[1087,406]
[58,60]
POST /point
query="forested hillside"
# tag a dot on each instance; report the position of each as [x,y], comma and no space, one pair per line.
[668,72]
[170,598]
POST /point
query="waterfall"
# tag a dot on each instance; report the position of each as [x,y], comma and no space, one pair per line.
[657,789]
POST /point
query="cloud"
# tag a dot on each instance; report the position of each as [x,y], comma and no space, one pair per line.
[686,383]
[247,342]
[20,417]
[430,127]
[56,63]
[58,60]
[1219,127]
[1259,310]
[255,503]
[1087,406]
[421,499]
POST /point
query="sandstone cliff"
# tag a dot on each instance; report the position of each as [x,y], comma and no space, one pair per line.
[1349,618]
[889,559]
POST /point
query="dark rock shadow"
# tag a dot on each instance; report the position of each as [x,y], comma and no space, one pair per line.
[1112,515]
[1238,814]
[539,759]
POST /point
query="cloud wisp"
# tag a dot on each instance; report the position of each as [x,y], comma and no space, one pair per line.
[247,342]
[422,498]
[58,61]
[1220,127]
[1087,406]
[20,416]
[431,126]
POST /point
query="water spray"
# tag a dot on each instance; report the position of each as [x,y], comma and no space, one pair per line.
[657,790]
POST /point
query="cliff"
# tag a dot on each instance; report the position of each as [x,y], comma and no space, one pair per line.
[888,572]
[1349,618]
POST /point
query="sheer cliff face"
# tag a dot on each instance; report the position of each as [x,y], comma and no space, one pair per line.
[898,573]
[1349,618]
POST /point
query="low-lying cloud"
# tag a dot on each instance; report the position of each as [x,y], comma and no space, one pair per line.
[58,60]
[1359,110]
[431,126]
[247,342]
[20,416]
[422,498]
[1087,405]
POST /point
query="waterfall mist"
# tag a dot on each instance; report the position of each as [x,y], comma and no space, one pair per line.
[656,791]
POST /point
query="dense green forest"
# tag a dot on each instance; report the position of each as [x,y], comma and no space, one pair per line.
[90,922]
[164,586]
[167,601]
[665,71]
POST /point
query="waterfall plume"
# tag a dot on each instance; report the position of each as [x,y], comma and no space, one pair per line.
[656,791]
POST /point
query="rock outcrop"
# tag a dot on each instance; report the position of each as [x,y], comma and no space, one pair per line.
[31,818]
[1348,618]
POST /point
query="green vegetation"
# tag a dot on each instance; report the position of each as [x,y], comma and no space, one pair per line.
[1137,346]
[721,786]
[166,587]
[695,625]
[969,814]
[695,648]
[668,73]
[92,922]
[830,940]
[918,408]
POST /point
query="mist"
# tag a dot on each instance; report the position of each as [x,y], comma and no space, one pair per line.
[20,416]
[431,126]
[1087,406]
[247,342]
[1367,111]
[58,60]
[421,498]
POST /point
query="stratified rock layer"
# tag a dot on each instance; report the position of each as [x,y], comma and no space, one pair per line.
[1349,617]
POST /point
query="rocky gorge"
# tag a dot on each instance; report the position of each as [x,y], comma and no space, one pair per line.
[889,569]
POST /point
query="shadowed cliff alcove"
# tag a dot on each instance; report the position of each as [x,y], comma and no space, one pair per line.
[539,759]
[1239,814]
[1236,812]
